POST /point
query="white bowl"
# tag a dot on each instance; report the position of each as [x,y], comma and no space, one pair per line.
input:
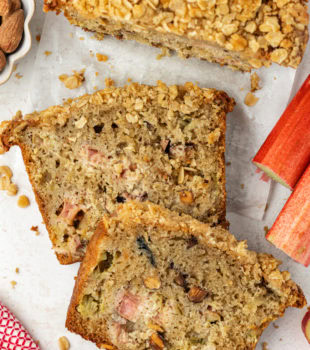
[25,45]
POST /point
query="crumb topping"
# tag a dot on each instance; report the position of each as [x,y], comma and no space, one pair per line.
[261,31]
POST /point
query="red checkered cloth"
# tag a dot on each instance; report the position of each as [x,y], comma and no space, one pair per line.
[13,336]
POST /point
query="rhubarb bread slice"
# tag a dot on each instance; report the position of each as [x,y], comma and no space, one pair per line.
[164,144]
[242,34]
[156,279]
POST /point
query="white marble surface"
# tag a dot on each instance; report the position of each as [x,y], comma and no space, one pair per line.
[44,287]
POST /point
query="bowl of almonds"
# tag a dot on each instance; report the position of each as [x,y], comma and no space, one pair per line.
[15,37]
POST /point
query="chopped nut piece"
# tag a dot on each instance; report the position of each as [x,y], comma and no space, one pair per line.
[152,282]
[13,284]
[186,197]
[250,99]
[197,294]
[101,57]
[156,342]
[23,201]
[63,343]
[255,79]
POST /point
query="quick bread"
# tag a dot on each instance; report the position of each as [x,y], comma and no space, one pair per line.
[161,143]
[242,34]
[156,279]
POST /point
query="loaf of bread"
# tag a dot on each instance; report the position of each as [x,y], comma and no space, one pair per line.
[156,279]
[164,144]
[242,34]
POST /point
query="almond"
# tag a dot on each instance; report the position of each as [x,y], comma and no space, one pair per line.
[11,31]
[5,7]
[15,5]
[2,60]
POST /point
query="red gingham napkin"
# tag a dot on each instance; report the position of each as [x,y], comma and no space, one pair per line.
[13,336]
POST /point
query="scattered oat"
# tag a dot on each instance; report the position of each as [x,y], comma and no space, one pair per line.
[265,346]
[23,201]
[266,229]
[109,82]
[96,74]
[13,284]
[73,81]
[275,326]
[242,186]
[250,99]
[255,79]
[47,53]
[35,229]
[17,270]
[38,38]
[63,343]
[18,76]
[82,38]
[101,57]
[164,52]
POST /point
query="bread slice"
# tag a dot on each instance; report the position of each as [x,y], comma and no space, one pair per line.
[242,34]
[164,144]
[156,279]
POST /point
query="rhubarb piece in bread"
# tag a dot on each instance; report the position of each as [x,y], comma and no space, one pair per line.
[156,279]
[161,143]
[242,34]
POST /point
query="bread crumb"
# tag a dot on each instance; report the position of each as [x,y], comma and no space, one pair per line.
[101,57]
[109,82]
[129,80]
[63,343]
[47,53]
[5,181]
[266,207]
[71,35]
[38,38]
[17,270]
[14,68]
[23,201]
[164,52]
[35,229]
[266,229]
[250,99]
[13,284]
[18,76]
[95,87]
[242,186]
[265,346]
[255,79]
[91,53]
[96,74]
[73,81]
[82,38]
[275,326]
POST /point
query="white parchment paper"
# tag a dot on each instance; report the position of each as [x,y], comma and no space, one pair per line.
[71,48]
